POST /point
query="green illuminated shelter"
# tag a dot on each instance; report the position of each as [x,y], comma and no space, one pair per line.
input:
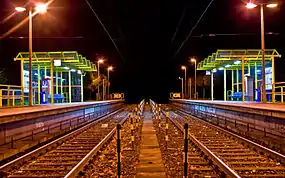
[239,61]
[63,69]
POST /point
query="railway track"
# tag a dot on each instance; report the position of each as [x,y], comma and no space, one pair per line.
[242,156]
[66,156]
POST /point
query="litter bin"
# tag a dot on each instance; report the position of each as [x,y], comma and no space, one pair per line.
[257,95]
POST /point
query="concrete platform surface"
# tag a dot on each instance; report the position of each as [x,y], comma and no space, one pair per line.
[150,165]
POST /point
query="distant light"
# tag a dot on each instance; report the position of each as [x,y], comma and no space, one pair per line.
[208,72]
[221,68]
[41,8]
[180,78]
[227,66]
[214,70]
[183,67]
[250,5]
[100,61]
[79,72]
[258,71]
[193,60]
[57,62]
[72,70]
[271,5]
[35,73]
[20,9]
[110,68]
[237,62]
[66,68]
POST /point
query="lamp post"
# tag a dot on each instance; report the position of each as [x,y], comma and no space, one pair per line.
[185,79]
[195,62]
[98,62]
[39,8]
[251,6]
[108,70]
[181,78]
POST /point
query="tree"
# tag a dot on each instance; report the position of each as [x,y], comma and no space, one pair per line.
[3,77]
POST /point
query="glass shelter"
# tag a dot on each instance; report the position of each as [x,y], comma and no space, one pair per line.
[57,76]
[244,67]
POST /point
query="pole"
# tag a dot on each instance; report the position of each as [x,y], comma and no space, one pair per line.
[103,91]
[185,151]
[30,58]
[242,79]
[190,88]
[225,85]
[185,84]
[81,83]
[195,79]
[182,86]
[108,93]
[39,84]
[98,81]
[118,151]
[69,86]
[263,53]
[52,81]
[273,79]
[233,88]
[212,86]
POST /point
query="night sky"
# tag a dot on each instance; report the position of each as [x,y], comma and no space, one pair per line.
[143,31]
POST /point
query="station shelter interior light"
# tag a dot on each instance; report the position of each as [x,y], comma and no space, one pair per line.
[214,70]
[237,62]
[67,68]
[57,62]
[228,65]
[221,68]
[72,70]
[79,72]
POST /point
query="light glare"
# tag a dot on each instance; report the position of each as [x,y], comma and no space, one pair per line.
[250,5]
[41,8]
[271,5]
[183,67]
[20,9]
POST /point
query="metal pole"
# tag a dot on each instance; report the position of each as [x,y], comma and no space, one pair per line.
[182,86]
[103,91]
[52,81]
[98,81]
[185,151]
[108,93]
[233,88]
[190,88]
[225,85]
[263,53]
[69,86]
[195,79]
[242,79]
[30,58]
[212,86]
[118,150]
[39,84]
[273,79]
[185,91]
[81,83]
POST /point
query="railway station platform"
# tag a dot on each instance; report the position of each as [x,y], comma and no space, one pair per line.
[151,164]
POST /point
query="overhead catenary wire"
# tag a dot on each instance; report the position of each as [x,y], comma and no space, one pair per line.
[191,31]
[178,25]
[101,23]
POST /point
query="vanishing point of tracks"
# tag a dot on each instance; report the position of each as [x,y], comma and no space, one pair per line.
[64,155]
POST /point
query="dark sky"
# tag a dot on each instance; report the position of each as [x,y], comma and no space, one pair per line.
[142,29]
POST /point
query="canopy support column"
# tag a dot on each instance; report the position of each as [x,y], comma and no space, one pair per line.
[81,80]
[273,79]
[242,79]
[39,84]
[212,86]
[69,86]
[233,88]
[52,82]
[225,85]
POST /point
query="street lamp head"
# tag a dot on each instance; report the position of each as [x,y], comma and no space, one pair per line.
[110,68]
[41,8]
[193,60]
[183,67]
[100,61]
[20,9]
[251,5]
[273,5]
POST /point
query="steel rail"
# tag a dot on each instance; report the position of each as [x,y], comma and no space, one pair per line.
[218,162]
[280,157]
[76,169]
[54,142]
